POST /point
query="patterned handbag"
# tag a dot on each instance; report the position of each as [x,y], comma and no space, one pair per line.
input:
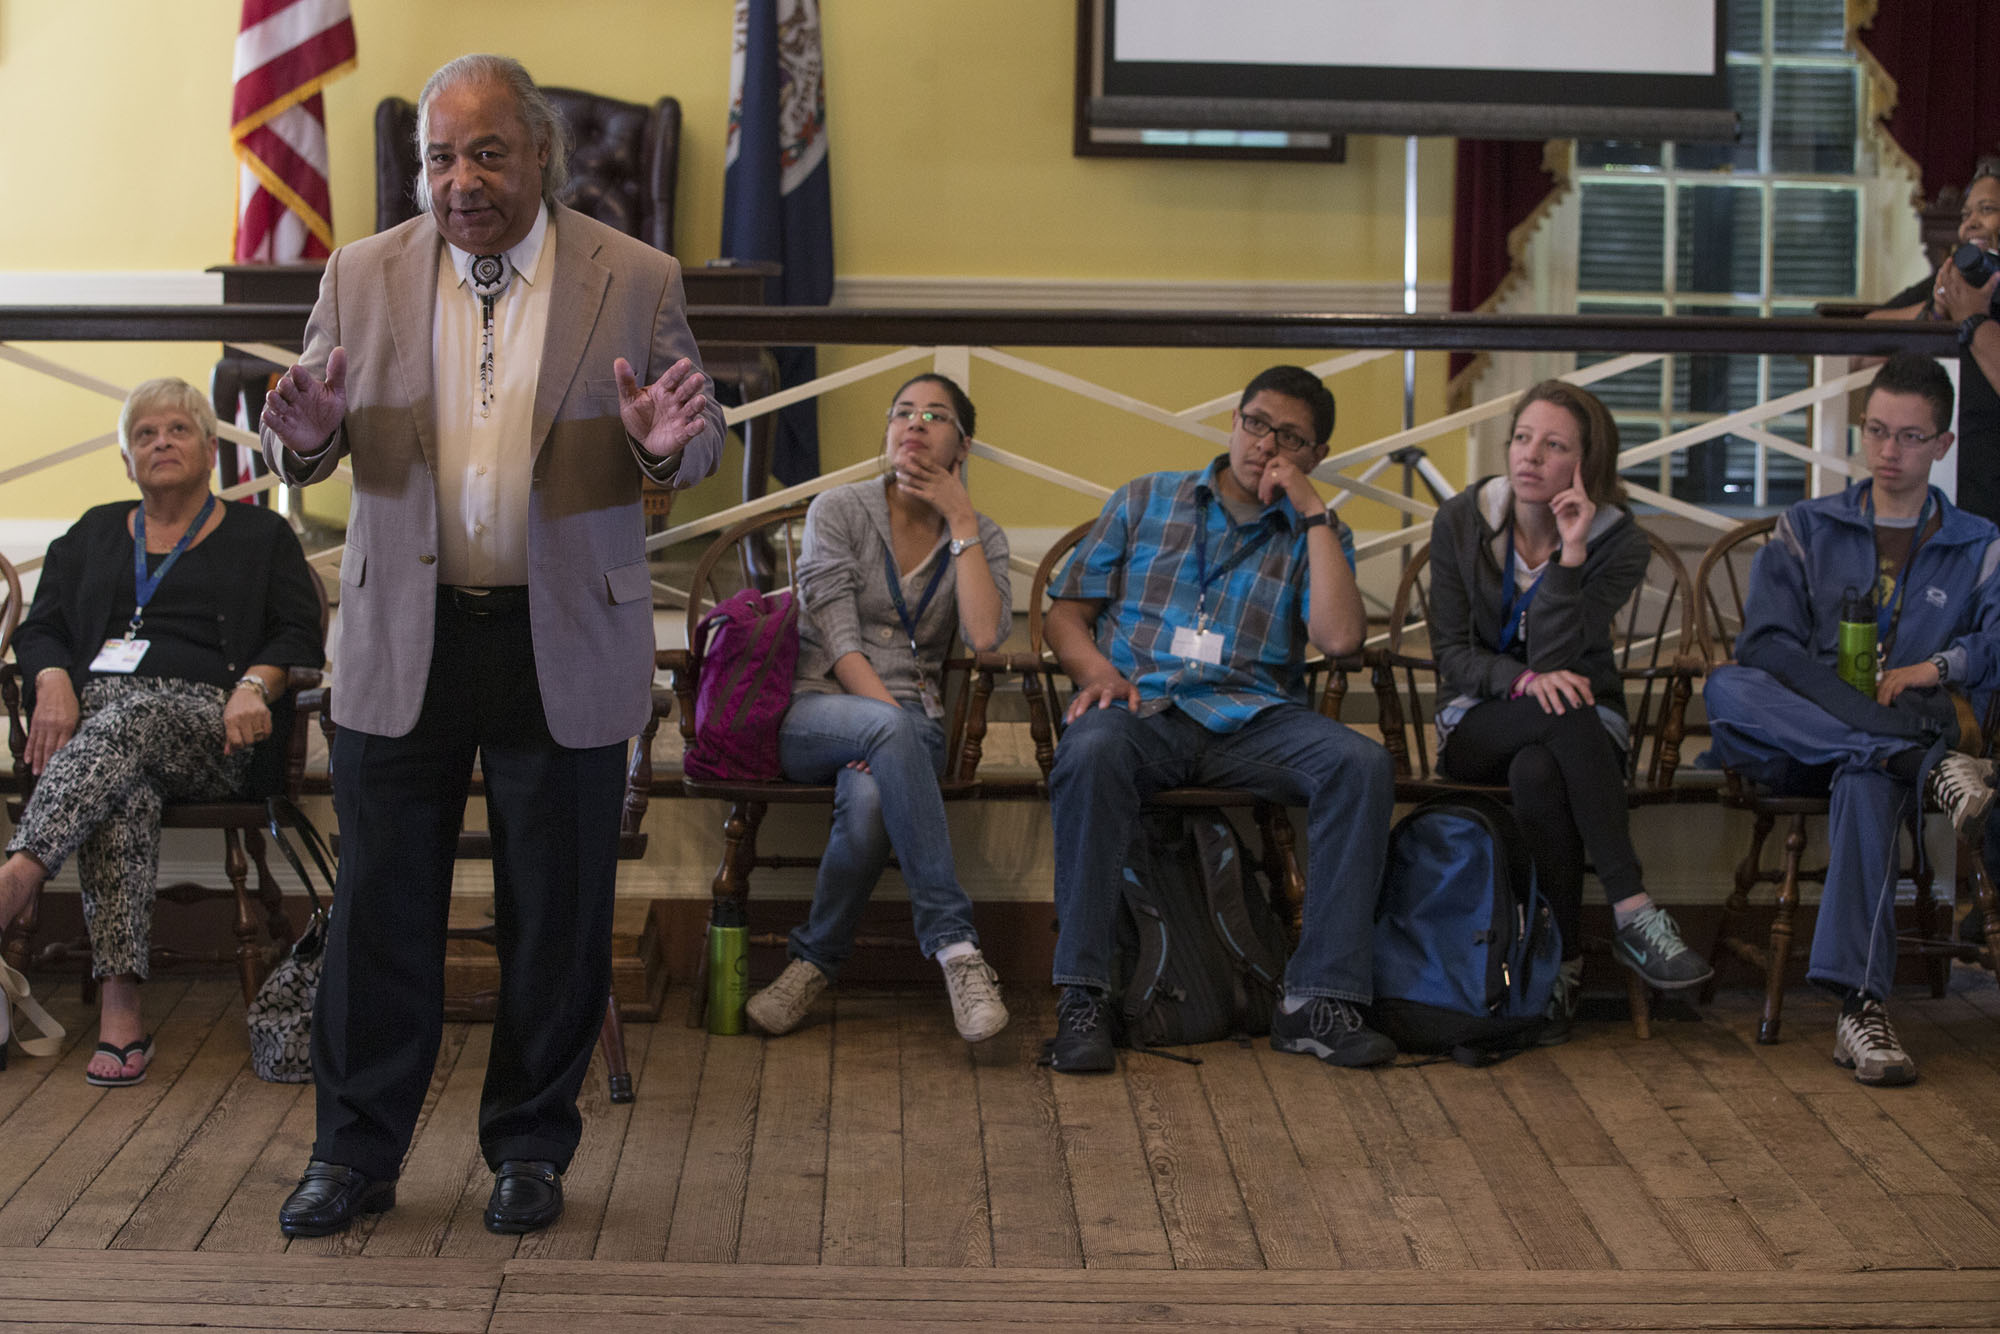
[280,1018]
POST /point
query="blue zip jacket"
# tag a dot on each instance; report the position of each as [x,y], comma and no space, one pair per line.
[1823,547]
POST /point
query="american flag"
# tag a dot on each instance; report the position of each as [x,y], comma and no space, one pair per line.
[286,51]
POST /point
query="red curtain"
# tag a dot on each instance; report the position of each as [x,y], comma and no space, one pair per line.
[1501,185]
[1944,56]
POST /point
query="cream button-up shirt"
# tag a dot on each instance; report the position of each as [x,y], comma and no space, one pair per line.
[485,459]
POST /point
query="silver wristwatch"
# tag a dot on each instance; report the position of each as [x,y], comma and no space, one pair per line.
[959,544]
[1943,665]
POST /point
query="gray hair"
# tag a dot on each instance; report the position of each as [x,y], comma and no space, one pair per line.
[544,122]
[169,393]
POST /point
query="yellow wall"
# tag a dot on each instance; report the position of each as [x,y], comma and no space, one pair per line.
[950,143]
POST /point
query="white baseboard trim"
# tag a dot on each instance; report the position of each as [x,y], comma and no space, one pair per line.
[110,287]
[886,290]
[183,287]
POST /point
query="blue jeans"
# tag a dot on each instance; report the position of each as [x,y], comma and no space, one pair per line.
[1773,736]
[1109,762]
[896,804]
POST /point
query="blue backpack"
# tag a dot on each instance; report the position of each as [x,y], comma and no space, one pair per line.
[1466,949]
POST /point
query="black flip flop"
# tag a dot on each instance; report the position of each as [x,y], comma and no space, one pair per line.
[143,1047]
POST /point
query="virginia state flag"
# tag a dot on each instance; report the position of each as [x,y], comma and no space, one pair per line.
[776,204]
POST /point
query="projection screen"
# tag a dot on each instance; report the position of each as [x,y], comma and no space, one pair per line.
[1525,69]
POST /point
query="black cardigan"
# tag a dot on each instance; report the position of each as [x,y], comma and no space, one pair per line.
[269,613]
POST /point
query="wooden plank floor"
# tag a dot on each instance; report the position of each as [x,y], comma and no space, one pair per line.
[871,1171]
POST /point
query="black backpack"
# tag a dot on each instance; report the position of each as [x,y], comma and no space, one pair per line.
[1466,948]
[1200,953]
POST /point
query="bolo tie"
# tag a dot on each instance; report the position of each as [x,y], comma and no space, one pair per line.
[489,275]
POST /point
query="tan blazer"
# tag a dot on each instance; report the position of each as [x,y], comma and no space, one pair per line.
[589,592]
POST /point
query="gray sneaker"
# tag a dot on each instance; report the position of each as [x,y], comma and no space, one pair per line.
[975,997]
[779,1007]
[1963,787]
[1864,1042]
[1651,946]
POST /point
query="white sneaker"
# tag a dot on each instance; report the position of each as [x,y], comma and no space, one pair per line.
[975,997]
[1963,786]
[779,1007]
[1865,1043]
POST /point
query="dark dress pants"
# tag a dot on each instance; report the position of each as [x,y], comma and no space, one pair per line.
[553,813]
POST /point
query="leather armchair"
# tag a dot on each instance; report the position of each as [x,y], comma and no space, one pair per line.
[624,162]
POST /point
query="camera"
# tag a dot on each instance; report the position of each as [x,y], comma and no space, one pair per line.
[1976,262]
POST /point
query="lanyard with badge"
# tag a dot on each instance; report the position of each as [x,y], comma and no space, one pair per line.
[1201,643]
[927,690]
[1515,601]
[123,655]
[1888,618]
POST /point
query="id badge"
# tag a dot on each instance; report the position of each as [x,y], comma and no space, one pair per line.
[120,655]
[1198,645]
[927,695]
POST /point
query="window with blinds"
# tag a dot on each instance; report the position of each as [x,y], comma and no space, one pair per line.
[1768,226]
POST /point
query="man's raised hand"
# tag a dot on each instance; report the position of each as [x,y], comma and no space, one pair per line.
[665,415]
[304,411]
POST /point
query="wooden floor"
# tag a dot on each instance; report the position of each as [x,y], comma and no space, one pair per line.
[873,1172]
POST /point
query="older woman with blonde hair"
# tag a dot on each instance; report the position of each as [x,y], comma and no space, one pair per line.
[159,635]
[1528,570]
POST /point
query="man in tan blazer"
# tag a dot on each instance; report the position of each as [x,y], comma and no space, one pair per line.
[481,370]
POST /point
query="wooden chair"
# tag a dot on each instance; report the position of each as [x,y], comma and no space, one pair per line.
[1278,854]
[477,845]
[1654,640]
[724,569]
[10,604]
[278,766]
[1723,584]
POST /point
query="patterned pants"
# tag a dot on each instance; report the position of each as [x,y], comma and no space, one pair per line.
[142,741]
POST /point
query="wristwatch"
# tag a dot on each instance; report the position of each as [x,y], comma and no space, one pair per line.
[1319,520]
[959,544]
[1969,327]
[1943,665]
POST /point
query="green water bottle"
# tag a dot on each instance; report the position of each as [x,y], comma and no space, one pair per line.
[728,967]
[1856,638]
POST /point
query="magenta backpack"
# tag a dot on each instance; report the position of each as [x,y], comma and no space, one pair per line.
[744,654]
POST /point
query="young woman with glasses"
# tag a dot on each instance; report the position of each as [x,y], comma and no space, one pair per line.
[891,570]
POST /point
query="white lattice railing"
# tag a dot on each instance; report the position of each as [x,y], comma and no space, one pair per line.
[1352,472]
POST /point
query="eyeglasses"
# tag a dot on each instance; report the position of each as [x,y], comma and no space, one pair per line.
[1288,439]
[900,413]
[1909,437]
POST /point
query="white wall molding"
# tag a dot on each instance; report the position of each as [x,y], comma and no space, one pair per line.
[1130,294]
[186,287]
[110,287]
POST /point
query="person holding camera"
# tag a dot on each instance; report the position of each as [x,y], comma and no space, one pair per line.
[1962,291]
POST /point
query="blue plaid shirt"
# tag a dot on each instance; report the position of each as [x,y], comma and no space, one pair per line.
[1143,558]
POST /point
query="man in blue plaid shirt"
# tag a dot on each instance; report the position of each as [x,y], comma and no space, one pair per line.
[1183,618]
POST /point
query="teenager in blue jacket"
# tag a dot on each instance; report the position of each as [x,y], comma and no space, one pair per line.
[1783,716]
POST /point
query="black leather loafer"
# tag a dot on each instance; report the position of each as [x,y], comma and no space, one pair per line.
[527,1196]
[329,1197]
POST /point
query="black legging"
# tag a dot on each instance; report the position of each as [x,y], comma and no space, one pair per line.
[1567,778]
